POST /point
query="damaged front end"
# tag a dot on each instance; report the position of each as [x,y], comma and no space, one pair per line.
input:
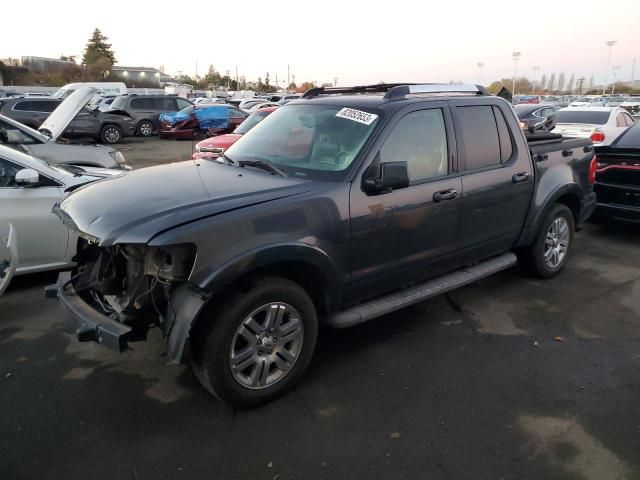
[117,293]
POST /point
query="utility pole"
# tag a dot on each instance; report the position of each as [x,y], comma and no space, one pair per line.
[480,66]
[227,73]
[335,81]
[610,44]
[580,84]
[614,69]
[535,79]
[516,57]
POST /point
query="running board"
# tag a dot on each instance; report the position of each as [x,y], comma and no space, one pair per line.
[397,300]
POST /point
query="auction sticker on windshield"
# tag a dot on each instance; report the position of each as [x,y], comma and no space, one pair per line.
[357,115]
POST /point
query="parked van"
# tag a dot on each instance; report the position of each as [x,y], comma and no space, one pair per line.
[110,89]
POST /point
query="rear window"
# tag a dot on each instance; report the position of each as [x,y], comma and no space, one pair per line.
[119,103]
[480,135]
[593,118]
[630,139]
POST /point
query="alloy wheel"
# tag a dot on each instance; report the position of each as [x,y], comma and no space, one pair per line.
[266,345]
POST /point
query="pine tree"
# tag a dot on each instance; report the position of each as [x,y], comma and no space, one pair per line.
[98,57]
[97,49]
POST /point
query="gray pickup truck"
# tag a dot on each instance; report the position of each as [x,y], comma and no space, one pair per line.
[340,207]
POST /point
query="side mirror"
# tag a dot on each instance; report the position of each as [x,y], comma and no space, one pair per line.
[27,177]
[393,176]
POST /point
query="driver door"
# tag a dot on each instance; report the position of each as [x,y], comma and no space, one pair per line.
[42,238]
[83,125]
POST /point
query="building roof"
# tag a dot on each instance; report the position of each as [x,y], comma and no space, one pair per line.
[136,69]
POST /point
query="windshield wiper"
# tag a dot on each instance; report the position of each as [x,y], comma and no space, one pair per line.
[226,158]
[264,165]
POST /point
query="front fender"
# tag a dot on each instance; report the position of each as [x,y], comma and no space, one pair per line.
[188,299]
[217,278]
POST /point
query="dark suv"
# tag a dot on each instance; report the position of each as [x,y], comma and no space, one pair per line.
[146,109]
[29,111]
[337,208]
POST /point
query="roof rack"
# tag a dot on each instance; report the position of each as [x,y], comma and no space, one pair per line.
[397,91]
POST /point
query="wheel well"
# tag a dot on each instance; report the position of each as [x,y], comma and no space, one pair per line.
[573,203]
[307,275]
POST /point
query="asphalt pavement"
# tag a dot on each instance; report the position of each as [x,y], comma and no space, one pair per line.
[509,378]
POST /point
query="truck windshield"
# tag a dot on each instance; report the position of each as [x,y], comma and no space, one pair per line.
[314,141]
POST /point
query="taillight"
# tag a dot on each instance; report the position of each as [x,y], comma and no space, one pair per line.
[592,170]
[597,137]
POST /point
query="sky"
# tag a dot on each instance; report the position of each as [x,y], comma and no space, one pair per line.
[355,42]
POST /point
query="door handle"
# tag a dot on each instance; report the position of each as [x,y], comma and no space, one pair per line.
[520,177]
[445,195]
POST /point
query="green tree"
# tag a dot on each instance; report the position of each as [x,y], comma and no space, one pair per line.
[98,57]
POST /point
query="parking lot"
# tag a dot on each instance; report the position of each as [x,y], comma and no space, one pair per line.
[509,378]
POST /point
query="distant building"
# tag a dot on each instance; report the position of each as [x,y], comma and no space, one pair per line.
[142,75]
[44,64]
[11,62]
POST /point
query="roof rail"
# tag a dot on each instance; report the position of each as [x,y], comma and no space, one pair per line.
[396,91]
[403,90]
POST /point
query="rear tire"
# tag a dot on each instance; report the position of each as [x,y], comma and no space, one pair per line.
[257,345]
[145,128]
[549,253]
[111,134]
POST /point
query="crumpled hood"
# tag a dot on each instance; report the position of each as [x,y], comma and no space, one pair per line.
[143,203]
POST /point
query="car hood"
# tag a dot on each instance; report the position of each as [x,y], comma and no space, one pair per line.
[136,207]
[61,117]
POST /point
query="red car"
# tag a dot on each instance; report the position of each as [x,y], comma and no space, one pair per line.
[211,147]
[190,127]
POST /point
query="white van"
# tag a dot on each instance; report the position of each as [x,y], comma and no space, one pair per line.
[107,89]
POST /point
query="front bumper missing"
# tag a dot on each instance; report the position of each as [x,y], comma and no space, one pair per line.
[90,324]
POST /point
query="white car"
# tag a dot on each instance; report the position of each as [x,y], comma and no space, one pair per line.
[588,102]
[32,239]
[602,124]
[259,106]
[631,105]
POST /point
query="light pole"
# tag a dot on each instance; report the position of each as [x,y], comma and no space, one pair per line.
[535,79]
[480,66]
[614,70]
[610,44]
[516,57]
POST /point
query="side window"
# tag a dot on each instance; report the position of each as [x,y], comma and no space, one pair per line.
[171,105]
[23,106]
[628,119]
[480,135]
[420,139]
[620,120]
[182,103]
[10,135]
[136,103]
[8,172]
[48,106]
[234,113]
[506,141]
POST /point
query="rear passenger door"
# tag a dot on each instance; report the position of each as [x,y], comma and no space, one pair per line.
[497,178]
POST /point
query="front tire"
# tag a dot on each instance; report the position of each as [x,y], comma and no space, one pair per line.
[258,344]
[111,134]
[549,253]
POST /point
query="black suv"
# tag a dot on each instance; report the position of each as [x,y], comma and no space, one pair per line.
[29,111]
[146,109]
[337,208]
